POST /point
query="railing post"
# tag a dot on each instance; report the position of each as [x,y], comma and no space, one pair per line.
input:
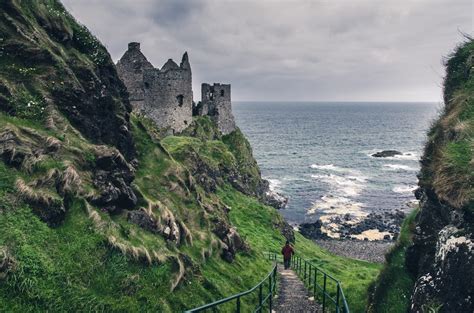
[324,293]
[238,305]
[315,282]
[260,298]
[270,298]
[309,275]
[304,276]
[337,297]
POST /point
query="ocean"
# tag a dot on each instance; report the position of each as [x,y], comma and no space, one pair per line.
[318,154]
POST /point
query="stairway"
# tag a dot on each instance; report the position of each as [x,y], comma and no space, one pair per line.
[293,296]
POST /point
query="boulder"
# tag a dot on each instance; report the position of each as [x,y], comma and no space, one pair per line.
[113,176]
[312,230]
[143,220]
[7,262]
[275,199]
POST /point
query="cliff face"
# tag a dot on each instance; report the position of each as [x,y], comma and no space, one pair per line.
[442,255]
[51,64]
[99,211]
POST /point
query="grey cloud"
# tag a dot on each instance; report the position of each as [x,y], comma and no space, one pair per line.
[292,49]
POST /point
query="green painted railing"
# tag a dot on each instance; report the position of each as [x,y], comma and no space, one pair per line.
[265,290]
[325,289]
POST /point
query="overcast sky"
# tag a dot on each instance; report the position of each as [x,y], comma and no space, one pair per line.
[339,50]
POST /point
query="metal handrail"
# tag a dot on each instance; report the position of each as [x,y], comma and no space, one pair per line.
[271,277]
[305,270]
[309,275]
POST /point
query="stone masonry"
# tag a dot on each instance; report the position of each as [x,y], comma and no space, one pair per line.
[216,103]
[169,95]
[165,95]
[130,69]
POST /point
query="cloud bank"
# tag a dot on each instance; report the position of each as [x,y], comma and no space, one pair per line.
[326,50]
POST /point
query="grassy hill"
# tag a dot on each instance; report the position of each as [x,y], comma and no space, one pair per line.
[98,211]
[427,270]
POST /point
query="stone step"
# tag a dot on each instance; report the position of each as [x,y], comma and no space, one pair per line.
[293,297]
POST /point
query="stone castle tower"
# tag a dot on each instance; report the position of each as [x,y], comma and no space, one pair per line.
[216,103]
[130,69]
[165,95]
[169,95]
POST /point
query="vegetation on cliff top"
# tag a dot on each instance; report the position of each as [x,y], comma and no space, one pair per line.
[84,226]
[448,166]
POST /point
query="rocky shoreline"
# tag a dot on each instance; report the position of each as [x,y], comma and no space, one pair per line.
[371,251]
[374,226]
[368,238]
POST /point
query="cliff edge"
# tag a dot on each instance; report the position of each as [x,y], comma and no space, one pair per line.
[442,255]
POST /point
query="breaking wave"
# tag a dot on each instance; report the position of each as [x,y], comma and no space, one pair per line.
[404,188]
[397,167]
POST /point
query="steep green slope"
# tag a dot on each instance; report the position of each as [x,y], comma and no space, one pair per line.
[391,292]
[98,212]
[442,253]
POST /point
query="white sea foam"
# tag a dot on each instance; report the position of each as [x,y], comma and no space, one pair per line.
[275,184]
[345,185]
[396,167]
[329,204]
[404,188]
[334,168]
[331,167]
[412,156]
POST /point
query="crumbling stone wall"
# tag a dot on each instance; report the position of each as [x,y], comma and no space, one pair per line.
[215,102]
[130,68]
[169,95]
[165,95]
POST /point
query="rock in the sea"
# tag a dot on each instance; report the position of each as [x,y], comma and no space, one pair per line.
[275,199]
[386,153]
[312,230]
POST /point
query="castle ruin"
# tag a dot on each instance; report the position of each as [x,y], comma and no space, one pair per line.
[165,95]
[215,102]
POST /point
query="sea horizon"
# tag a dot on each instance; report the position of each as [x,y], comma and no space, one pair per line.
[318,154]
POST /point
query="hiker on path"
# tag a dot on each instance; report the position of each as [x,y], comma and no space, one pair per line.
[287,252]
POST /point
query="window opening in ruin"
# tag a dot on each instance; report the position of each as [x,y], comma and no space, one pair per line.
[147,85]
[180,100]
[222,93]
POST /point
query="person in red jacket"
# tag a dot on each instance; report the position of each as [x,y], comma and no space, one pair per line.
[287,252]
